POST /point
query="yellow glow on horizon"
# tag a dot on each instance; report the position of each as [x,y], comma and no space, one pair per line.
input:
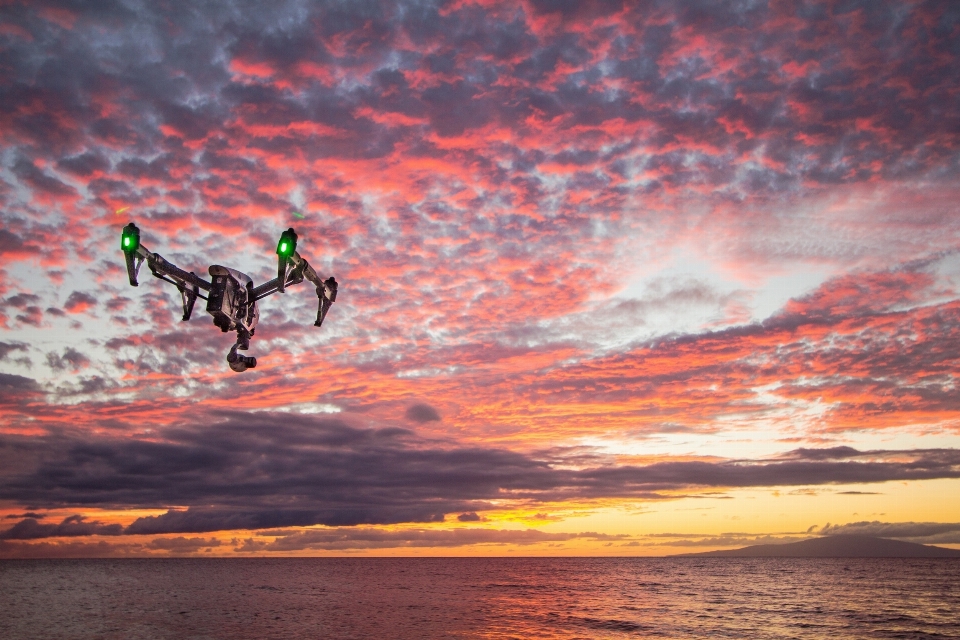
[626,528]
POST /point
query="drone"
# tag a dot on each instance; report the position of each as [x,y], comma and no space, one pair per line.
[231,297]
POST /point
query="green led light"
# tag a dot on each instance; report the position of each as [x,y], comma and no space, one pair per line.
[130,238]
[288,243]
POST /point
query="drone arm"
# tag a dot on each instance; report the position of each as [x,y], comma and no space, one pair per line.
[135,253]
[301,268]
[160,267]
[326,289]
[189,284]
[269,288]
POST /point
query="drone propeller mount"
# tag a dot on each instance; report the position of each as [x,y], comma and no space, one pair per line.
[286,249]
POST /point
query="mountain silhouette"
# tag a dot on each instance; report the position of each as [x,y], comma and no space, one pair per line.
[838,546]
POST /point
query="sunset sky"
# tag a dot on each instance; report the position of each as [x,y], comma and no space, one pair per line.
[616,278]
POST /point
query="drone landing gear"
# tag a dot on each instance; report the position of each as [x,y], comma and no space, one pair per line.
[189,297]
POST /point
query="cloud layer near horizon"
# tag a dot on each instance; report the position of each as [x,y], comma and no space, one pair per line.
[242,471]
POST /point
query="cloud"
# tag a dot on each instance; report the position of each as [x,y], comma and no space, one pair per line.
[558,221]
[728,540]
[30,529]
[69,549]
[41,182]
[181,545]
[84,164]
[11,244]
[258,471]
[6,348]
[22,300]
[363,538]
[15,389]
[842,352]
[518,167]
[71,359]
[79,301]
[469,517]
[422,413]
[923,532]
[829,453]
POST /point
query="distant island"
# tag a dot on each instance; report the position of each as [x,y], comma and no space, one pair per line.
[838,546]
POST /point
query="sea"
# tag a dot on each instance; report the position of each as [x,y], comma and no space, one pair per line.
[480,598]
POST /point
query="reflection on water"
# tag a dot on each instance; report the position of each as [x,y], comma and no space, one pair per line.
[480,598]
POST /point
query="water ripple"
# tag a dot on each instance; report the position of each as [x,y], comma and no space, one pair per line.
[562,598]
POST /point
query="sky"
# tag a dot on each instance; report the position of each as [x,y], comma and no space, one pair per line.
[616,278]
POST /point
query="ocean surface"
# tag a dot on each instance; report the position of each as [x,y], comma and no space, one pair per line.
[480,598]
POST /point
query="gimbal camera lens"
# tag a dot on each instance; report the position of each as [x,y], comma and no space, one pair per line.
[240,363]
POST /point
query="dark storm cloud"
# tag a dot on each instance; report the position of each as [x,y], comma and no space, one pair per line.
[925,532]
[422,413]
[30,529]
[831,453]
[260,471]
[199,520]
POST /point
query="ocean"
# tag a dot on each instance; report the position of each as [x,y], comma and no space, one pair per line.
[480,598]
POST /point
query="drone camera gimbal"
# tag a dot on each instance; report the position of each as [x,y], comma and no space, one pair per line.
[230,295]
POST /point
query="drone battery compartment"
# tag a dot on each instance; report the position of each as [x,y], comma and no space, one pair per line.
[226,296]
